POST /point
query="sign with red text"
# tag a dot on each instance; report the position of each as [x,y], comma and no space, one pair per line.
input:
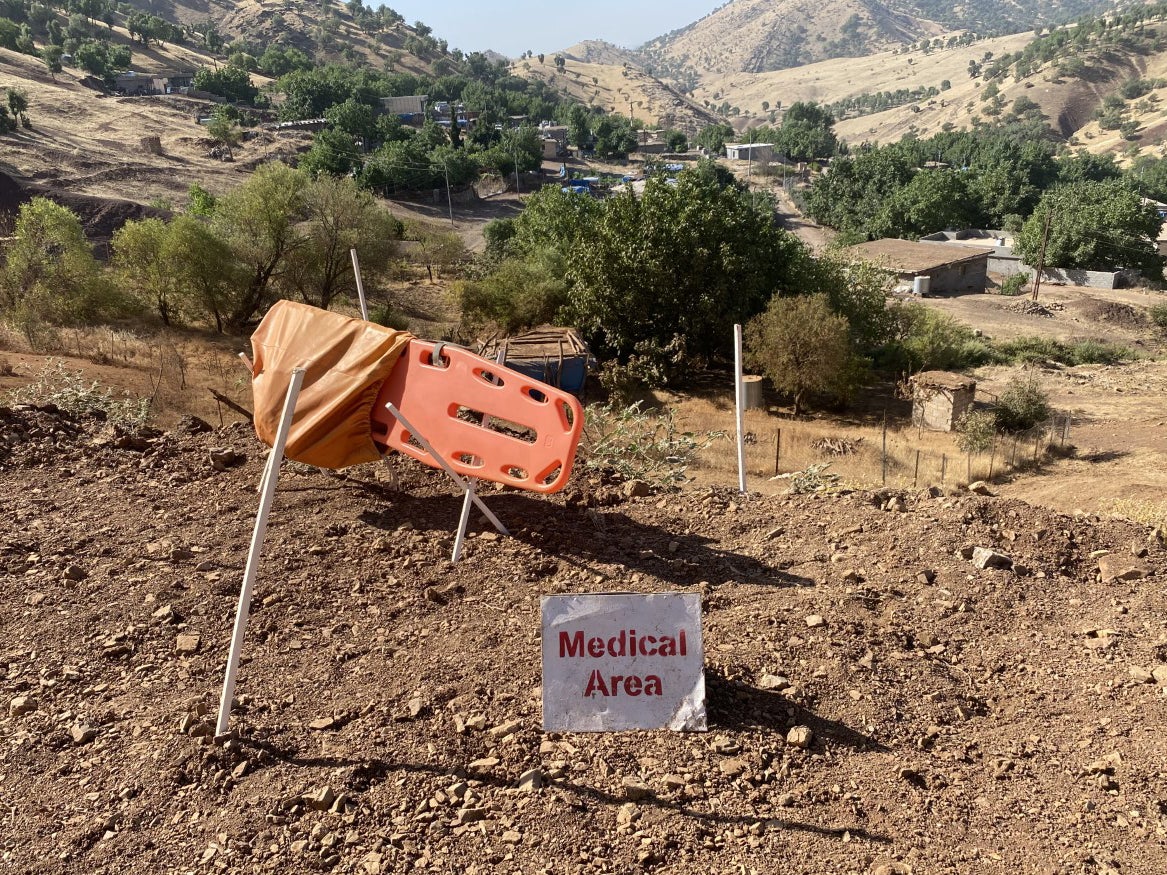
[618,661]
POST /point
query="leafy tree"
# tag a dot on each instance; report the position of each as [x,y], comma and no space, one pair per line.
[353,118]
[519,293]
[340,217]
[684,261]
[333,153]
[934,200]
[713,138]
[277,61]
[807,132]
[202,202]
[435,246]
[51,55]
[675,141]
[49,271]
[259,219]
[1096,226]
[1022,404]
[224,130]
[18,106]
[802,346]
[230,83]
[141,267]
[205,269]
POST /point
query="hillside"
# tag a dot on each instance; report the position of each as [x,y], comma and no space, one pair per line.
[757,36]
[754,36]
[388,709]
[620,89]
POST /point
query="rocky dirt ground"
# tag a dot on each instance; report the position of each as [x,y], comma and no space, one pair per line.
[965,719]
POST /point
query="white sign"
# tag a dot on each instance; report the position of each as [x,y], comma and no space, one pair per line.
[620,661]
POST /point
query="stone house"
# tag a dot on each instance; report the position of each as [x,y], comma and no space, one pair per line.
[940,398]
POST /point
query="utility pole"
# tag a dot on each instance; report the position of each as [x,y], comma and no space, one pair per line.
[449,199]
[1049,217]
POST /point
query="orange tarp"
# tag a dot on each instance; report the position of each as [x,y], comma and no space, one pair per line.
[346,361]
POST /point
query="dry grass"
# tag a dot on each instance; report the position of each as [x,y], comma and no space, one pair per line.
[1149,513]
[915,458]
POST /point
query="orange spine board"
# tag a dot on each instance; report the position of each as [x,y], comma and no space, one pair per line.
[532,429]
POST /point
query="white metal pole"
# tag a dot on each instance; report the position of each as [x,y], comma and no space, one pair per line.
[360,285]
[270,478]
[447,467]
[464,520]
[739,395]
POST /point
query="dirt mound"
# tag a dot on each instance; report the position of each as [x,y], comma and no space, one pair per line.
[1002,707]
[101,217]
[1111,312]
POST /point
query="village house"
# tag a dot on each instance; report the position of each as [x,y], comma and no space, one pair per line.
[935,268]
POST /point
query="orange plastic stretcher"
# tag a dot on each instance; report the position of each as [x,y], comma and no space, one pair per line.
[484,419]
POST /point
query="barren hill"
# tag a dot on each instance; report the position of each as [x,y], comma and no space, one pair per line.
[754,36]
[388,710]
[594,51]
[624,89]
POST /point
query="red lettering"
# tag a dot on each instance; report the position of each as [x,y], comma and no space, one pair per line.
[652,685]
[616,645]
[571,645]
[647,645]
[632,685]
[595,647]
[668,646]
[596,685]
[683,651]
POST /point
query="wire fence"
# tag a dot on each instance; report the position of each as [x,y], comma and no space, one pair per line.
[887,455]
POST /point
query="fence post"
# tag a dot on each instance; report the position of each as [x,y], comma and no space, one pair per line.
[968,466]
[916,472]
[992,457]
[943,467]
[777,451]
[884,454]
[1066,428]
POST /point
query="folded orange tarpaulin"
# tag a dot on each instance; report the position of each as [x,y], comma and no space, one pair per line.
[346,361]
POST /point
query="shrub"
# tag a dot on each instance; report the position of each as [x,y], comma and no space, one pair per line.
[975,431]
[1158,314]
[1012,286]
[1022,405]
[802,347]
[70,391]
[928,340]
[634,445]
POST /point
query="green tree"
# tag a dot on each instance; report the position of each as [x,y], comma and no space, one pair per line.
[1095,226]
[340,217]
[141,268]
[224,130]
[260,219]
[519,293]
[18,106]
[680,261]
[713,138]
[807,132]
[333,153]
[49,272]
[205,268]
[230,83]
[802,346]
[201,201]
[675,141]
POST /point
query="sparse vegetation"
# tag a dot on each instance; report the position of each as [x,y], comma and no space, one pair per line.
[71,392]
[632,444]
[1022,405]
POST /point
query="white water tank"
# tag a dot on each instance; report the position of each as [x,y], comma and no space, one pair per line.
[921,285]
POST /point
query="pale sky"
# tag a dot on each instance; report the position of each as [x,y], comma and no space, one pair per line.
[512,28]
